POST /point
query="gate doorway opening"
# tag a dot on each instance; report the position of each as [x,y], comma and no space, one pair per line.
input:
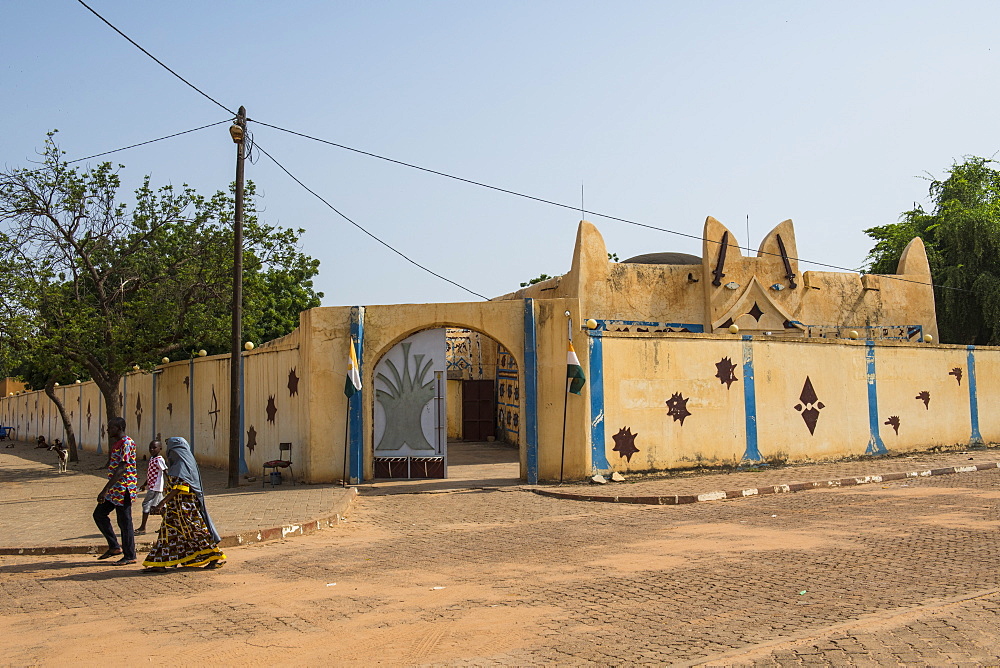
[466,390]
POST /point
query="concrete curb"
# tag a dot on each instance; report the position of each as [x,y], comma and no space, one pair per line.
[336,516]
[679,499]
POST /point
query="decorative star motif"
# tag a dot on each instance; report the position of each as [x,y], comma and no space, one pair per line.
[755,312]
[726,372]
[293,383]
[957,373]
[677,407]
[625,443]
[251,439]
[925,397]
[893,421]
[271,409]
[810,405]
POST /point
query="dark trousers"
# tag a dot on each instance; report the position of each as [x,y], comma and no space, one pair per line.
[103,521]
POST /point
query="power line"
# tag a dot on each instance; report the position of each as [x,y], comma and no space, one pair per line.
[580,209]
[342,215]
[158,61]
[142,143]
[151,141]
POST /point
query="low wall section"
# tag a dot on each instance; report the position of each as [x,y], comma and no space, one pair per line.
[672,401]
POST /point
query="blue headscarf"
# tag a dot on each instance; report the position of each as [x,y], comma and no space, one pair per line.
[181,464]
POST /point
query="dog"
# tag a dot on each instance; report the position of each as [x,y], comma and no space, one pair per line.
[63,453]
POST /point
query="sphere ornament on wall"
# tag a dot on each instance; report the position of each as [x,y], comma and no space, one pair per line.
[734,329]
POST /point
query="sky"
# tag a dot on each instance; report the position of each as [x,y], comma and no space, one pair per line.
[664,113]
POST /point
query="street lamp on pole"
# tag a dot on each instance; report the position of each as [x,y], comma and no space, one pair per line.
[238,133]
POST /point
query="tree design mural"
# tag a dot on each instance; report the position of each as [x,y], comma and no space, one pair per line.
[893,422]
[957,373]
[925,397]
[404,402]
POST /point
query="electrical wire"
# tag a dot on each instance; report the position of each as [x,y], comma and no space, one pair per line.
[125,148]
[463,180]
[158,61]
[151,141]
[342,215]
[579,209]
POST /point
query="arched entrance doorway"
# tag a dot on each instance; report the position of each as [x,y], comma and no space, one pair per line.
[447,404]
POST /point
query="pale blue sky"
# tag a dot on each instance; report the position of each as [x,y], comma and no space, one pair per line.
[825,113]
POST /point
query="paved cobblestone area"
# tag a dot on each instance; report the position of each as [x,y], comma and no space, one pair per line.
[901,573]
[40,507]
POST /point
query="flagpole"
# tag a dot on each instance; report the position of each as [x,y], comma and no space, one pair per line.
[347,434]
[562,456]
[347,418]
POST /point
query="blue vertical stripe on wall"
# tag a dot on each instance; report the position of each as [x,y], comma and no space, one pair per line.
[973,397]
[752,453]
[355,405]
[530,391]
[598,457]
[875,444]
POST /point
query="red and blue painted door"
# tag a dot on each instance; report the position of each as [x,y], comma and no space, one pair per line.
[411,426]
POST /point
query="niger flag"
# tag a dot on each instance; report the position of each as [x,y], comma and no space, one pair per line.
[574,372]
[353,383]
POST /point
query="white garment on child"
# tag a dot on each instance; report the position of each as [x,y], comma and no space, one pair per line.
[154,475]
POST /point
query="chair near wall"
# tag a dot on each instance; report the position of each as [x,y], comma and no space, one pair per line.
[284,461]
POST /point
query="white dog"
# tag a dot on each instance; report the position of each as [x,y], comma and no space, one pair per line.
[63,453]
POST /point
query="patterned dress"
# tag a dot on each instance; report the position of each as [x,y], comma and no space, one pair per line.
[184,539]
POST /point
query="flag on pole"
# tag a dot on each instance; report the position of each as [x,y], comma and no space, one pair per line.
[574,372]
[353,383]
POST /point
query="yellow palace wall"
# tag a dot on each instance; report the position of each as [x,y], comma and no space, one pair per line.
[294,392]
[663,402]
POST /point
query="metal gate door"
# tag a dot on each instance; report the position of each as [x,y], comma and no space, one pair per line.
[478,409]
[410,412]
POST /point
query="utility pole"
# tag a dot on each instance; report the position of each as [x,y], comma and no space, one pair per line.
[238,132]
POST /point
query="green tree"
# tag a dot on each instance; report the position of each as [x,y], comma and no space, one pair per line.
[961,232]
[105,286]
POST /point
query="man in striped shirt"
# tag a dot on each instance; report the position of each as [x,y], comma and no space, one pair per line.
[117,495]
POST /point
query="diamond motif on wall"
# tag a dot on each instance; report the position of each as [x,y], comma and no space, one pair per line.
[272,409]
[810,405]
[214,412]
[138,412]
[755,312]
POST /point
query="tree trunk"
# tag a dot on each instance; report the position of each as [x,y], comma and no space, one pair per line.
[50,392]
[108,385]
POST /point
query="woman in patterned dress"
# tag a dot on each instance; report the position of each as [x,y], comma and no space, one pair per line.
[187,536]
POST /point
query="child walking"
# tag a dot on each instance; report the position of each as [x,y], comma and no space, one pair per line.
[153,484]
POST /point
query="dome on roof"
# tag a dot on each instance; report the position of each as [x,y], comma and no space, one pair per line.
[664,258]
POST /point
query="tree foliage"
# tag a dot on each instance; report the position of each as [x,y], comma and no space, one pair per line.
[961,232]
[95,286]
